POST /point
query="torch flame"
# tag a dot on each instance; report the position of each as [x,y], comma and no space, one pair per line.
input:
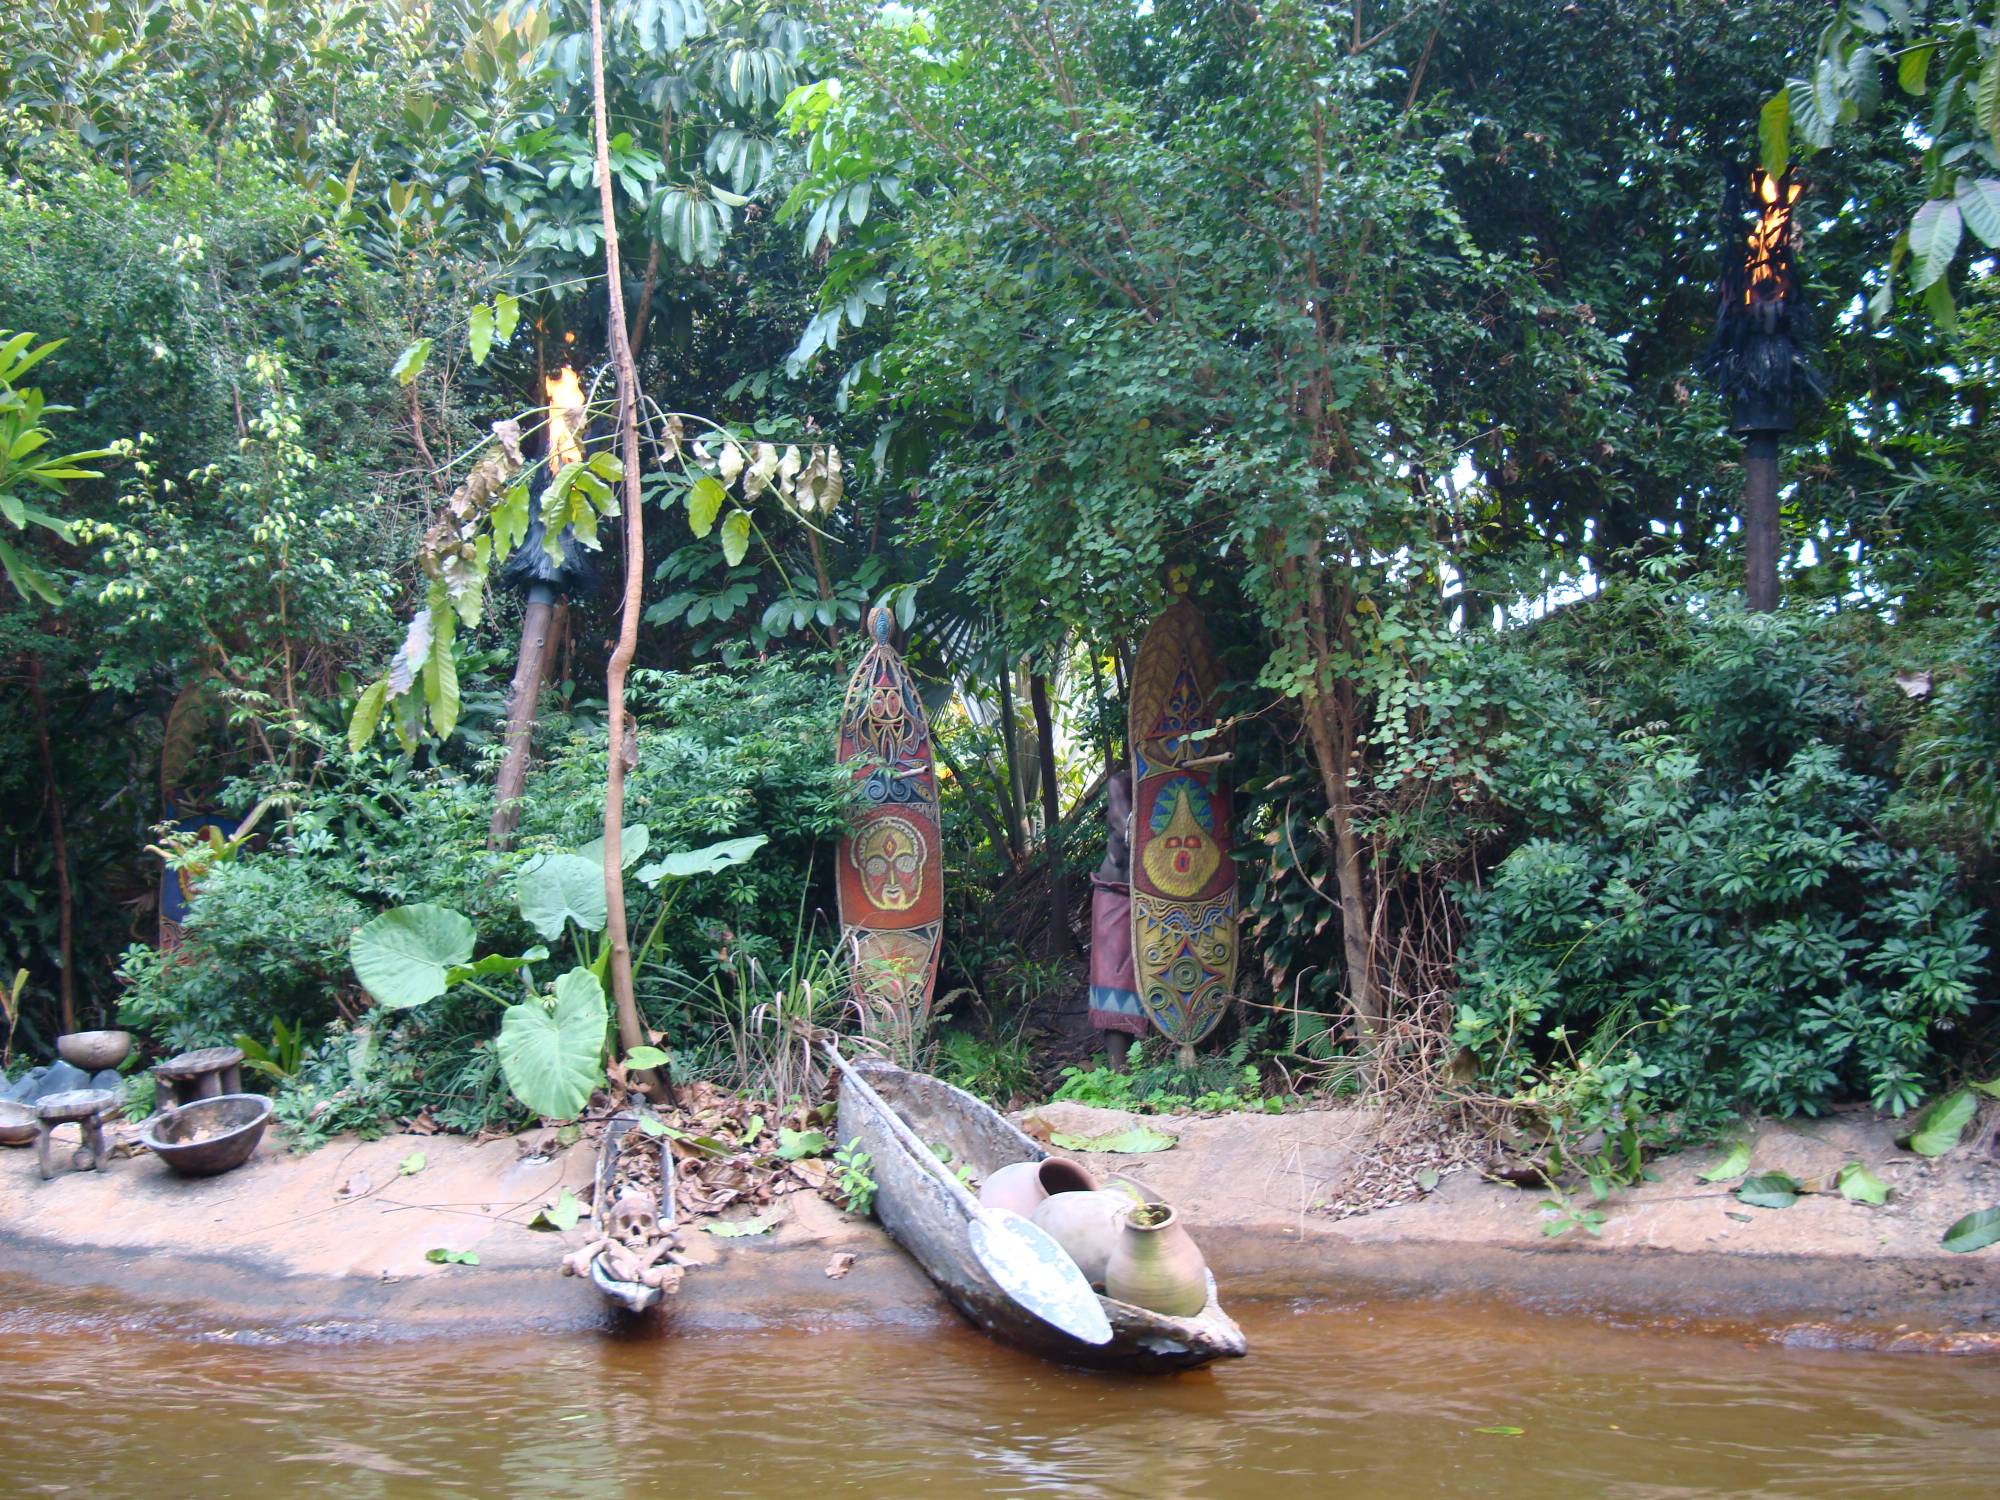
[565,393]
[1771,234]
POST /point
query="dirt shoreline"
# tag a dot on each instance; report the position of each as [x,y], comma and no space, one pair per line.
[332,1244]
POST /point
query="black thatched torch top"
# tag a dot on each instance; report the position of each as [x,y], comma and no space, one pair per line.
[529,569]
[1758,355]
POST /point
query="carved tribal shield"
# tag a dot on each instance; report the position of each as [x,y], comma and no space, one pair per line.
[1183,880]
[891,863]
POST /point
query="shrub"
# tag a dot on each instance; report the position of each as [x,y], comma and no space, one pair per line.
[1722,925]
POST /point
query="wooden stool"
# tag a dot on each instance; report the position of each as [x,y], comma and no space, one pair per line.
[202,1074]
[81,1107]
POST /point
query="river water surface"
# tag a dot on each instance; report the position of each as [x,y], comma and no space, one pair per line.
[1373,1399]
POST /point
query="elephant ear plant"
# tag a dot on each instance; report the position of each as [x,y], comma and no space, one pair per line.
[551,1045]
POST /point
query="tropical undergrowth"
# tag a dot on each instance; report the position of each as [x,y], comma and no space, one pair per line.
[269,939]
[1700,909]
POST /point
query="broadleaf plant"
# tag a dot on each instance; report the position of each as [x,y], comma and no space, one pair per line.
[551,1046]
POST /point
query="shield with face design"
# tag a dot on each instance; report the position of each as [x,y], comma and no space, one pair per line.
[891,866]
[1183,881]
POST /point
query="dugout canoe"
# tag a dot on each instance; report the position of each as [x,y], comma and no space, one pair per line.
[628,1296]
[930,1224]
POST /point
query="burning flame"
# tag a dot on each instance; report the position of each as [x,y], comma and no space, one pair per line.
[1770,237]
[565,418]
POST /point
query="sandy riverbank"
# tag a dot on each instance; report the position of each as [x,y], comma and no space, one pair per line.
[335,1241]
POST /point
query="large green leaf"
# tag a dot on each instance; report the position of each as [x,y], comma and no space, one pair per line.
[480,333]
[367,714]
[1913,68]
[1768,1190]
[1774,133]
[1986,98]
[1131,1141]
[735,537]
[556,888]
[632,842]
[410,363]
[401,957]
[1938,1128]
[1935,230]
[704,861]
[552,1051]
[1735,1162]
[1979,205]
[494,963]
[704,504]
[1974,1232]
[1859,1185]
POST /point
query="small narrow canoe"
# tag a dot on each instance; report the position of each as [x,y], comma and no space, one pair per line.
[632,1296]
[929,1223]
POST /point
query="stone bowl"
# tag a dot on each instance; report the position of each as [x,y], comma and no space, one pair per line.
[209,1136]
[94,1051]
[18,1125]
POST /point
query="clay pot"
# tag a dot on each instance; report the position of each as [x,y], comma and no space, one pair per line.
[94,1051]
[1020,1187]
[1086,1225]
[18,1126]
[1155,1265]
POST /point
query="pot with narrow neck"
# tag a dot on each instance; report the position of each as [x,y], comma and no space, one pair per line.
[1156,1265]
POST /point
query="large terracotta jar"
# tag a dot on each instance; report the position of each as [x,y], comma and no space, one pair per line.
[1154,1263]
[1020,1187]
[1086,1226]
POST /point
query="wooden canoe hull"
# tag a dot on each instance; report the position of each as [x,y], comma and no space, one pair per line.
[929,1223]
[628,1296]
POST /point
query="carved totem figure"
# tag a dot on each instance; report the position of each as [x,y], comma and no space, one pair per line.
[1184,941]
[890,874]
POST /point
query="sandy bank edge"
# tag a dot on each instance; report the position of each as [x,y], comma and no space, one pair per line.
[284,1248]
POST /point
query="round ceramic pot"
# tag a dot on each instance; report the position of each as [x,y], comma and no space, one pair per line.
[1154,1264]
[1019,1187]
[94,1051]
[1086,1225]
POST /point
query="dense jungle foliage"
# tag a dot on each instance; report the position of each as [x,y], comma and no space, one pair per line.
[1379,330]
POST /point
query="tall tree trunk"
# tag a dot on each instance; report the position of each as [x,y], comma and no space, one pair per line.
[1330,726]
[1331,710]
[1760,521]
[58,848]
[555,661]
[1009,750]
[1060,941]
[631,1032]
[522,699]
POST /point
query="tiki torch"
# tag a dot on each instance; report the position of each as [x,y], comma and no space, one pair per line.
[540,579]
[1758,356]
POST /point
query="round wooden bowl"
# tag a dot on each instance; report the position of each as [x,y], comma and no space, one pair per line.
[208,1136]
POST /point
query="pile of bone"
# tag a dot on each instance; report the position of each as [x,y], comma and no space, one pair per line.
[634,1244]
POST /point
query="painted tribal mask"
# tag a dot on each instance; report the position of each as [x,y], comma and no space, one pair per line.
[888,855]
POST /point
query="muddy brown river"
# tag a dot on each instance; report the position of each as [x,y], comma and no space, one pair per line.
[1431,1398]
